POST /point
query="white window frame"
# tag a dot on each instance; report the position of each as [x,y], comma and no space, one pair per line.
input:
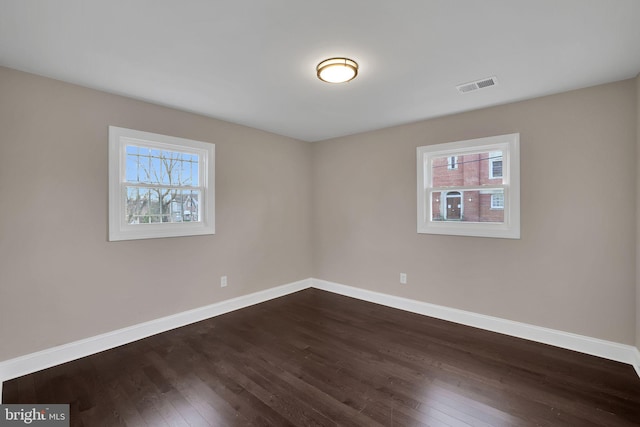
[119,229]
[510,147]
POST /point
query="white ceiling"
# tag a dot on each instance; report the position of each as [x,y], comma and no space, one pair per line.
[253,61]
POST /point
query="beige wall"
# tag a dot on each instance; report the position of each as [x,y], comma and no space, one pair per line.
[573,269]
[60,280]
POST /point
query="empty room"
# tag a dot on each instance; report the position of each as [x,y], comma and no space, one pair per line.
[292,213]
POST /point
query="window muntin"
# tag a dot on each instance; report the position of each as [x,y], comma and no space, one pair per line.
[159,186]
[484,189]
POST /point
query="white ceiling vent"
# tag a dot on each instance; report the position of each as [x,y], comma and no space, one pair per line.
[478,84]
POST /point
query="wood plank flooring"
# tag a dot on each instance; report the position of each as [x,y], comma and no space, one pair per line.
[318,359]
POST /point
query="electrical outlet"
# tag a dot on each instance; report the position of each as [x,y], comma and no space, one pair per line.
[223,281]
[403,278]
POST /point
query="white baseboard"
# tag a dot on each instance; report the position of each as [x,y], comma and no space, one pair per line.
[636,363]
[34,362]
[594,346]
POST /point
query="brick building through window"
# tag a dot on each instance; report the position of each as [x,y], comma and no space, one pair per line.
[470,170]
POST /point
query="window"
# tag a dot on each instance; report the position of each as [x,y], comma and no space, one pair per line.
[159,186]
[453,162]
[495,165]
[481,199]
[497,201]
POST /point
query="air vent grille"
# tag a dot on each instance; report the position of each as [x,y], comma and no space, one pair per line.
[478,84]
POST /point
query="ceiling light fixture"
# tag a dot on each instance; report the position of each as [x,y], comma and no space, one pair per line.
[337,70]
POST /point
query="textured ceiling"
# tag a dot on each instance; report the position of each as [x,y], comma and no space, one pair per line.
[253,61]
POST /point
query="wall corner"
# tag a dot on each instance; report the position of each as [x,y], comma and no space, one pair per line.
[638,223]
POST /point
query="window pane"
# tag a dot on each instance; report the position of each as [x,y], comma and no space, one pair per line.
[185,172]
[133,205]
[138,165]
[131,168]
[469,170]
[190,206]
[168,195]
[175,211]
[468,206]
[137,205]
[163,167]
[154,202]
[162,204]
[194,178]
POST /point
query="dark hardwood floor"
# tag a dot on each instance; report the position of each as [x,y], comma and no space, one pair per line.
[315,358]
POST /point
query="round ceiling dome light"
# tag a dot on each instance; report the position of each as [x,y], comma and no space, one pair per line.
[337,70]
